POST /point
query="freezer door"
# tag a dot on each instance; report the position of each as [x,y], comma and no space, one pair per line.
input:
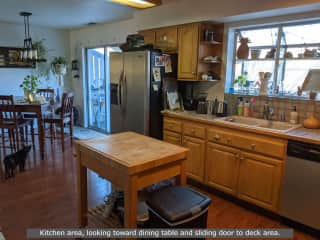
[116,90]
[136,81]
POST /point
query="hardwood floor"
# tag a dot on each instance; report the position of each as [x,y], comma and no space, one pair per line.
[45,196]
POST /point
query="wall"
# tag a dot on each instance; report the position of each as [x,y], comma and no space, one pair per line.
[12,35]
[178,12]
[305,108]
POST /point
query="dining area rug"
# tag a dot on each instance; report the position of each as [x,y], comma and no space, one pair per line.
[81,133]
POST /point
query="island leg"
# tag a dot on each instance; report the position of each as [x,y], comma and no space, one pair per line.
[130,203]
[182,178]
[82,193]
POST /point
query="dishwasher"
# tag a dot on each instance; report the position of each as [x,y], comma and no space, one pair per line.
[300,194]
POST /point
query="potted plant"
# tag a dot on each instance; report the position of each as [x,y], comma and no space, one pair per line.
[41,49]
[29,85]
[59,66]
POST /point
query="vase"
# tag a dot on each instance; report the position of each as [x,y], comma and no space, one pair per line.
[243,49]
[60,69]
[264,79]
[29,95]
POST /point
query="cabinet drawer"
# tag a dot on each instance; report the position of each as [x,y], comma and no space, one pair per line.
[194,130]
[172,125]
[172,137]
[167,38]
[251,142]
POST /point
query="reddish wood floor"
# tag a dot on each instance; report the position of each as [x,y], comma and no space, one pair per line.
[45,196]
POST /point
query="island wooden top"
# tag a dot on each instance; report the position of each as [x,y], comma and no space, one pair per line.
[133,151]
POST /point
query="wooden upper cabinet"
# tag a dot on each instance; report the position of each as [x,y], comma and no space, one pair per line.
[167,39]
[149,36]
[188,37]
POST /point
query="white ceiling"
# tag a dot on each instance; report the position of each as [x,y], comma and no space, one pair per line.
[64,13]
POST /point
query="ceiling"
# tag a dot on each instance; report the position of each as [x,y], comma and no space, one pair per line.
[64,14]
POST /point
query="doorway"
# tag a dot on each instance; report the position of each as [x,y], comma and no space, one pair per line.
[98,87]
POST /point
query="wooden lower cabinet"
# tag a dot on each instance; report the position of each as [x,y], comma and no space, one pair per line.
[222,166]
[172,137]
[195,160]
[259,180]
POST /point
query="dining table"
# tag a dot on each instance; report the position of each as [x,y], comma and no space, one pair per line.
[34,110]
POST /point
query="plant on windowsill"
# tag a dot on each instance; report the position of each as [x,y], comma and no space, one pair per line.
[242,81]
[30,85]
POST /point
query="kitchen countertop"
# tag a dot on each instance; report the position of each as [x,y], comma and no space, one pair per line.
[298,134]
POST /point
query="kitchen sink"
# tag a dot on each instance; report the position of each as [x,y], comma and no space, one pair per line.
[259,123]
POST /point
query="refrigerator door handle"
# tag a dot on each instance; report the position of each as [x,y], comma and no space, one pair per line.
[119,91]
[125,90]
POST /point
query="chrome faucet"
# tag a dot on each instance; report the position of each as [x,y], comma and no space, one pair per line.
[267,111]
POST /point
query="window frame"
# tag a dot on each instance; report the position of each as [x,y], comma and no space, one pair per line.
[234,31]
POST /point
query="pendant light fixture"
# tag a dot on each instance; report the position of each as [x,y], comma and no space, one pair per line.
[28,53]
[138,3]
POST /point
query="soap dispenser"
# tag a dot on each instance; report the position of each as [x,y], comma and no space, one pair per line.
[294,115]
[240,107]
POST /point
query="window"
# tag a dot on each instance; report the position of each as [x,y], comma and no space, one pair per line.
[287,51]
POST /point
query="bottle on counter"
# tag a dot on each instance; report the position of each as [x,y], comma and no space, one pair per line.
[294,115]
[246,109]
[240,107]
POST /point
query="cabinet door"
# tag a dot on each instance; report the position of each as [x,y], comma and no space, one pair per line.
[260,180]
[222,166]
[167,39]
[195,160]
[188,36]
[172,137]
[149,36]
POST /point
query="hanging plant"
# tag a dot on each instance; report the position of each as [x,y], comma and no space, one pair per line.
[59,66]
[41,49]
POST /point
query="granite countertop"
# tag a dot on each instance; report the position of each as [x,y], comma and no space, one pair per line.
[298,134]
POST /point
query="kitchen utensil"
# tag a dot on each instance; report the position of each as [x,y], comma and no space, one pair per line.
[222,109]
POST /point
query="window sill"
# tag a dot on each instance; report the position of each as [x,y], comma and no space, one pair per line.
[288,97]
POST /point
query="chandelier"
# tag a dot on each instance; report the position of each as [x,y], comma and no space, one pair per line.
[28,53]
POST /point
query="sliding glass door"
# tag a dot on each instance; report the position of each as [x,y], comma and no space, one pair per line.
[97,88]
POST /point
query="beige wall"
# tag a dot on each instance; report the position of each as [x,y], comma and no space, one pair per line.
[178,12]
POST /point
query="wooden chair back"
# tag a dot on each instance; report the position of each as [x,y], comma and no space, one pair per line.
[67,105]
[47,93]
[9,114]
[6,100]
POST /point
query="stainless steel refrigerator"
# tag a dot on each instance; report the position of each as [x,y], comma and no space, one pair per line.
[136,96]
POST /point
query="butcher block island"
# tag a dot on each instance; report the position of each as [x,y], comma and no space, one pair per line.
[131,162]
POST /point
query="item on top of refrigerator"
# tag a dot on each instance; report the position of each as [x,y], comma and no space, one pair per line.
[135,40]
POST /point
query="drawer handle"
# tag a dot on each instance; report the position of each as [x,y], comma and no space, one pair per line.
[253,146]
[241,158]
[216,137]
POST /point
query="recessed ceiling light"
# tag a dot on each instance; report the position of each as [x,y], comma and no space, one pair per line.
[138,3]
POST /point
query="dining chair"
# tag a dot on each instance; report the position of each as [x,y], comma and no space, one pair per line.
[15,125]
[64,117]
[47,93]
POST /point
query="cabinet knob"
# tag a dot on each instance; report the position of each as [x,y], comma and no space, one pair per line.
[241,158]
[193,131]
[216,137]
[253,146]
[228,140]
[194,73]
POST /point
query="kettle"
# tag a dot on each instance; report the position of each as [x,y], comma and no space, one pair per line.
[222,109]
